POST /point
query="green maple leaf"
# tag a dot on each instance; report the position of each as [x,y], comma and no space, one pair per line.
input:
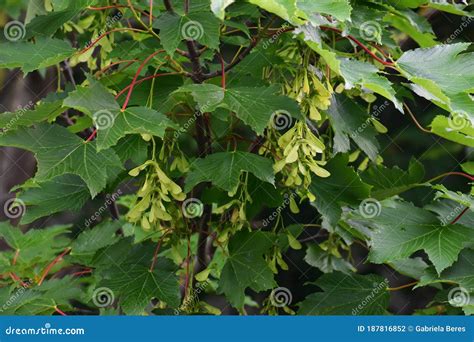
[132,147]
[460,273]
[224,169]
[449,128]
[218,7]
[457,196]
[325,261]
[135,285]
[350,120]
[134,120]
[343,186]
[112,123]
[255,111]
[401,229]
[340,9]
[60,152]
[201,26]
[346,294]
[23,117]
[32,56]
[445,76]
[366,75]
[388,182]
[36,245]
[47,25]
[124,268]
[92,99]
[410,267]
[84,247]
[42,300]
[66,192]
[285,9]
[246,267]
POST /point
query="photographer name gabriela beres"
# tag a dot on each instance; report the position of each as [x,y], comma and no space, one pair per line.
[440,328]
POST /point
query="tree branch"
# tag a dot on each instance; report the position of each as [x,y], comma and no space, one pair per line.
[168,5]
[197,75]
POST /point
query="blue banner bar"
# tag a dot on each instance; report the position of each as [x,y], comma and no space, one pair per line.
[241,329]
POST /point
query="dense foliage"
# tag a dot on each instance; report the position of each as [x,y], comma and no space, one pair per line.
[213,138]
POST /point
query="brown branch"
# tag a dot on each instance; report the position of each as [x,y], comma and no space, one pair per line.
[54,262]
[413,117]
[168,5]
[197,74]
[402,287]
[460,216]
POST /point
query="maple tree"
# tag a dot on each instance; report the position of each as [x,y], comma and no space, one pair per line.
[235,133]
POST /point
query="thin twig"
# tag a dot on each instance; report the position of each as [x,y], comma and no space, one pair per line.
[132,85]
[460,216]
[54,262]
[415,120]
[402,286]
